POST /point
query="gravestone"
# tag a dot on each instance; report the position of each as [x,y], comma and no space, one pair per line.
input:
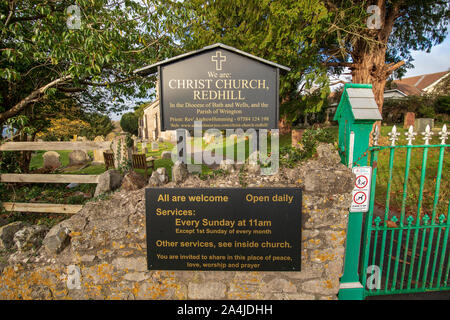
[144,147]
[155,146]
[77,157]
[166,155]
[421,123]
[409,120]
[51,160]
[98,154]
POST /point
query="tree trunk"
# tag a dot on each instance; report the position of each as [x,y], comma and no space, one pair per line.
[32,97]
[370,68]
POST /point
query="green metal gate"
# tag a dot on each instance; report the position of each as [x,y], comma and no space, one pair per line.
[406,249]
[401,245]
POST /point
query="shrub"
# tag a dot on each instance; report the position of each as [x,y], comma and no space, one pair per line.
[427,106]
[129,123]
[289,155]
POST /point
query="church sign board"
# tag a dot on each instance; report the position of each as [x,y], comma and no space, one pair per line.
[232,229]
[224,229]
[220,86]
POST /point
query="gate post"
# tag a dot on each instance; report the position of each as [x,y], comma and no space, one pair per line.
[356,114]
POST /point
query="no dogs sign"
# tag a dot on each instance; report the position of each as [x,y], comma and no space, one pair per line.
[361,189]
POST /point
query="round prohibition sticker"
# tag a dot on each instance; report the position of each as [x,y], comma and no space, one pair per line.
[361,182]
[359,197]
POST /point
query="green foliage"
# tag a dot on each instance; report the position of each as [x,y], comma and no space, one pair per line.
[290,156]
[426,112]
[100,125]
[48,193]
[129,123]
[9,162]
[427,106]
[139,110]
[442,104]
[13,162]
[38,51]
[129,143]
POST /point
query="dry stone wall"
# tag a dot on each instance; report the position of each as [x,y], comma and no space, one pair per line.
[100,252]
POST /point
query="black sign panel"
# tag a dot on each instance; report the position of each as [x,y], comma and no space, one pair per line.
[254,229]
[221,88]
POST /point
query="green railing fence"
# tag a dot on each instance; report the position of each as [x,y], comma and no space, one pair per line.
[405,244]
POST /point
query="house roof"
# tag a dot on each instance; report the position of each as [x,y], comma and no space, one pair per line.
[418,84]
[151,69]
[407,89]
[395,91]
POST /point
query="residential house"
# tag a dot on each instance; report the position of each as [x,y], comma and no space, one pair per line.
[415,86]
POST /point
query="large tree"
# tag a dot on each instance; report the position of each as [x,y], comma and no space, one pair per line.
[375,38]
[88,51]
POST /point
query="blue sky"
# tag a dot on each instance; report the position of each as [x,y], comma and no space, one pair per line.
[435,61]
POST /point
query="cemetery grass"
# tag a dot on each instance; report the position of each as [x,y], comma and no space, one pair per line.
[413,186]
[413,183]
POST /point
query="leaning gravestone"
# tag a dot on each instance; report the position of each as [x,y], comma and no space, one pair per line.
[108,181]
[51,160]
[78,157]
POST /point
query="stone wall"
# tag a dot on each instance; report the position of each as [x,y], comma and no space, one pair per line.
[105,245]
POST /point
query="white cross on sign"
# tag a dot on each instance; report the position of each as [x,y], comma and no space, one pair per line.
[218,59]
[361,189]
